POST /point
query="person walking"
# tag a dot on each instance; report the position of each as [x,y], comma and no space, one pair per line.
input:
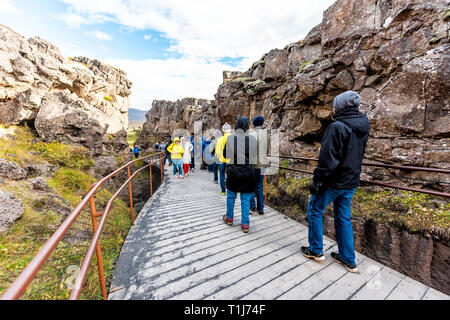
[336,178]
[240,150]
[136,151]
[222,162]
[162,148]
[212,151]
[187,147]
[261,164]
[168,155]
[192,166]
[176,151]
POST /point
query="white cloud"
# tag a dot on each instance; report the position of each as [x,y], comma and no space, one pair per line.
[73,20]
[201,31]
[7,7]
[147,36]
[221,28]
[99,35]
[171,79]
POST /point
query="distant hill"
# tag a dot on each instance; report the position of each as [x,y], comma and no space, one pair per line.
[136,115]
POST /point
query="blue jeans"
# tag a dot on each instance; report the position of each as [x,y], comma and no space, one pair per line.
[259,192]
[245,206]
[177,164]
[215,168]
[342,202]
[222,167]
[168,158]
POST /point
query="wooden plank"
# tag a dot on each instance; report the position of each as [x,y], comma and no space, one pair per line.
[180,248]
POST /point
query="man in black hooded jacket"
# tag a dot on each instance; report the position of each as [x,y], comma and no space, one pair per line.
[336,178]
[240,150]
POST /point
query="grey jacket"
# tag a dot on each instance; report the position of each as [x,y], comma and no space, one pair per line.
[262,143]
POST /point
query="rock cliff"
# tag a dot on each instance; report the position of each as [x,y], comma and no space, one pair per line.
[395,53]
[166,116]
[71,100]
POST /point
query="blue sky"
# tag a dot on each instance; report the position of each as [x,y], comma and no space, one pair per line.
[170,49]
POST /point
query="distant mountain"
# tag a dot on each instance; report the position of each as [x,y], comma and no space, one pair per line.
[136,115]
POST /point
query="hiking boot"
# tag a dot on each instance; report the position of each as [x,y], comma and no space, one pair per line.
[223,193]
[228,221]
[261,213]
[245,228]
[312,255]
[216,182]
[252,210]
[349,267]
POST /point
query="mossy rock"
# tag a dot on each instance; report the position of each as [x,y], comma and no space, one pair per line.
[306,64]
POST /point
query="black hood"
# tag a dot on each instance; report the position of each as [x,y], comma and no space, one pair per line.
[242,123]
[354,119]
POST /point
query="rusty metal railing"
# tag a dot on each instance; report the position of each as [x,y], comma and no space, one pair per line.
[21,283]
[387,185]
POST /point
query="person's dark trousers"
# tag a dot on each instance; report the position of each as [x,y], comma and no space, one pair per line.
[168,157]
[192,163]
[136,155]
[222,168]
[215,168]
[259,192]
[342,201]
[210,168]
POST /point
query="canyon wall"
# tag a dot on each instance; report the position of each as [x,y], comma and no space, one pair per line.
[71,100]
[395,53]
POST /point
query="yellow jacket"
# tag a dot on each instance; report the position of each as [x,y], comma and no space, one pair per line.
[176,150]
[220,146]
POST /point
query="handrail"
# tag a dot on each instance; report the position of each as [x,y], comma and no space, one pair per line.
[381,165]
[21,283]
[426,191]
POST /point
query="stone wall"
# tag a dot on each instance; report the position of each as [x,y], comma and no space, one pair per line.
[395,53]
[72,100]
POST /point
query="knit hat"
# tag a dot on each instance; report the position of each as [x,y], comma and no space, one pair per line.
[176,139]
[258,121]
[348,99]
[226,128]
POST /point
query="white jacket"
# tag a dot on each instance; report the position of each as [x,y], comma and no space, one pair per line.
[188,147]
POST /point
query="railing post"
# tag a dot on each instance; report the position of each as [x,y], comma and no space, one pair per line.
[151,187]
[131,196]
[265,189]
[98,249]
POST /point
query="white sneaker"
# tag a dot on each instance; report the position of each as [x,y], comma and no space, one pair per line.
[181,177]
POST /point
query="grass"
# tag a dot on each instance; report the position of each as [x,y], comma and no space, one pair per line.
[26,236]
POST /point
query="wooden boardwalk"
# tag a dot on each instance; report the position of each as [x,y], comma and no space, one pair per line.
[180,248]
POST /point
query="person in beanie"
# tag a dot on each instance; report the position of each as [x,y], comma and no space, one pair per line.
[336,178]
[262,162]
[240,150]
[221,160]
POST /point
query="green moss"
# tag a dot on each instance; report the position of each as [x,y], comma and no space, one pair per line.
[71,184]
[276,99]
[446,15]
[305,64]
[68,156]
[411,211]
[27,235]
